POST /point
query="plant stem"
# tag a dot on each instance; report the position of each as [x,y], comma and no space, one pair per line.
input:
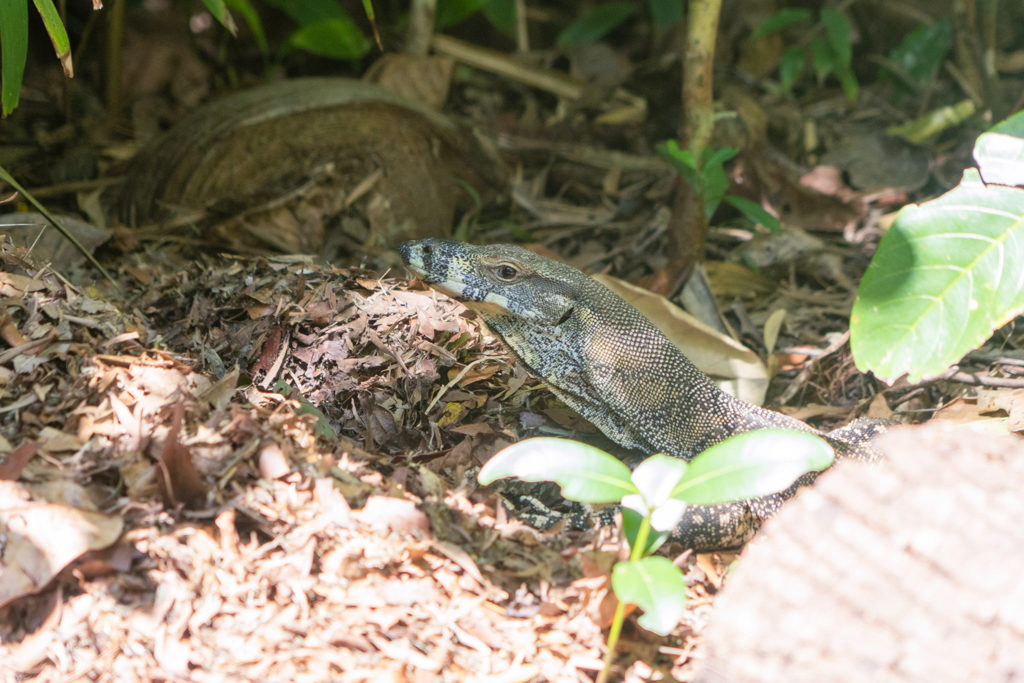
[635,553]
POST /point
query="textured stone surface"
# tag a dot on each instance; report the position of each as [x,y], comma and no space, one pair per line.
[908,570]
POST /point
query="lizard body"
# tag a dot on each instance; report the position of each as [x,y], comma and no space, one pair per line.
[609,363]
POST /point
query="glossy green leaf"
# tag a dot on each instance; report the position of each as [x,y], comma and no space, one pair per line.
[752,464]
[1000,152]
[13,51]
[656,586]
[655,479]
[338,38]
[947,274]
[783,18]
[754,212]
[595,24]
[584,473]
[657,476]
[1013,125]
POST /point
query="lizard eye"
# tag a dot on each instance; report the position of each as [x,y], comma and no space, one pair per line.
[507,273]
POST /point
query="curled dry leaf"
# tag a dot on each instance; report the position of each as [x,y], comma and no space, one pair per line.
[42,538]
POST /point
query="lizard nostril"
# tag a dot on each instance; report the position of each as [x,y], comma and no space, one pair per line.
[427,249]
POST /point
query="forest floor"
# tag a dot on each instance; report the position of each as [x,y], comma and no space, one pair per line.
[244,464]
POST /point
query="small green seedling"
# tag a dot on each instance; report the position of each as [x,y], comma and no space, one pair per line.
[705,173]
[654,497]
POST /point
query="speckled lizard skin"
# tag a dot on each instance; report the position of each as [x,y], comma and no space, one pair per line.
[608,362]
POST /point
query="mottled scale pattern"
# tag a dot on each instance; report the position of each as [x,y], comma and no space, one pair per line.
[608,362]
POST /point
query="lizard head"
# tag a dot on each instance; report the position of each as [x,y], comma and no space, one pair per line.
[498,279]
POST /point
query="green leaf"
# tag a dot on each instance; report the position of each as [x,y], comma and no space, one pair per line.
[1014,125]
[922,51]
[13,51]
[219,10]
[752,464]
[823,59]
[584,473]
[665,13]
[839,32]
[655,478]
[309,11]
[252,18]
[337,38]
[452,12]
[780,20]
[794,59]
[947,274]
[754,212]
[849,82]
[58,36]
[714,185]
[719,156]
[595,24]
[656,586]
[1000,152]
[631,521]
[502,15]
[683,160]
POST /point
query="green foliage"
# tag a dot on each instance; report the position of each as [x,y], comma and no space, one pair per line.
[707,176]
[784,18]
[595,24]
[324,28]
[586,474]
[665,13]
[452,12]
[252,18]
[830,52]
[950,271]
[13,51]
[751,465]
[337,38]
[918,57]
[654,497]
[14,46]
[656,586]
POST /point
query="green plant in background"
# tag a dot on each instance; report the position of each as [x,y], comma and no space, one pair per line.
[830,52]
[654,497]
[950,271]
[912,64]
[705,173]
[14,45]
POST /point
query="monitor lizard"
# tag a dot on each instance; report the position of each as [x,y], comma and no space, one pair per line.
[610,364]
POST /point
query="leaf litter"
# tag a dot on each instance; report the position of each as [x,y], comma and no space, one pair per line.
[214,478]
